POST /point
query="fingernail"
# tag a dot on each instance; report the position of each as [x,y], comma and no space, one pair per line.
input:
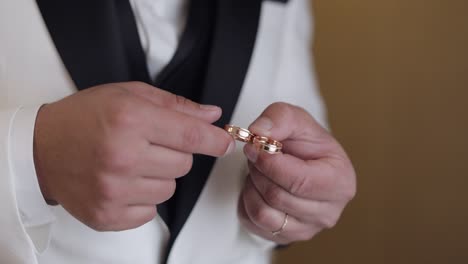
[262,125]
[231,148]
[251,152]
[209,107]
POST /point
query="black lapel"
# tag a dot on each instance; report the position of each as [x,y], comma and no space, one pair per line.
[233,41]
[235,34]
[88,37]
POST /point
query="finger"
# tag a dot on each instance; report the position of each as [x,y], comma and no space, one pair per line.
[277,197]
[282,121]
[208,113]
[131,217]
[258,211]
[292,231]
[312,179]
[244,219]
[147,191]
[285,121]
[163,163]
[187,134]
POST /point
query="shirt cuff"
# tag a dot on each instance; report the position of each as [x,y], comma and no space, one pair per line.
[34,210]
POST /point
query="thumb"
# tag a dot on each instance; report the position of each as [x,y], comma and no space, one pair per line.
[281,121]
[209,113]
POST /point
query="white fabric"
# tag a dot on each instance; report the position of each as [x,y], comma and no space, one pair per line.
[31,74]
[35,214]
[160,24]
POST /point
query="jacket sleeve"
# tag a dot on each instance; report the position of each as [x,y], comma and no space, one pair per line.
[25,219]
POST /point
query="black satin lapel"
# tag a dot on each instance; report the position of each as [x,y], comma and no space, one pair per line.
[233,41]
[235,35]
[88,37]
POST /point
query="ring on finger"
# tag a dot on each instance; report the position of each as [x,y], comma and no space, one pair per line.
[281,229]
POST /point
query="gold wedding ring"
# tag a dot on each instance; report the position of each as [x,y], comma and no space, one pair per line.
[267,144]
[239,133]
[264,143]
[285,222]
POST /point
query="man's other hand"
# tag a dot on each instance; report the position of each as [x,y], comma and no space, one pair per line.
[311,182]
[110,153]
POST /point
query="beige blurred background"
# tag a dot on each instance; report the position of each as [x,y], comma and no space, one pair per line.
[395,76]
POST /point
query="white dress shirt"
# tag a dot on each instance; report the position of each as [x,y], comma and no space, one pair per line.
[160,25]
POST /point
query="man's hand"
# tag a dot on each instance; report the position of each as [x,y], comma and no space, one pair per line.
[312,181]
[110,153]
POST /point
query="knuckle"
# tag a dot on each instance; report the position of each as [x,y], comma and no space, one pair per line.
[272,196]
[280,105]
[350,192]
[166,192]
[261,216]
[175,101]
[265,165]
[192,137]
[225,144]
[284,108]
[351,187]
[106,192]
[121,112]
[144,217]
[186,164]
[171,188]
[271,165]
[299,186]
[102,219]
[139,84]
[115,159]
[344,180]
[150,215]
[329,221]
[180,100]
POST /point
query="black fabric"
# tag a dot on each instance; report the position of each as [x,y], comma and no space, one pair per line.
[99,43]
[88,37]
[185,76]
[136,57]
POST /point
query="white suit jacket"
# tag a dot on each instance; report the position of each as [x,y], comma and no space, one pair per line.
[32,73]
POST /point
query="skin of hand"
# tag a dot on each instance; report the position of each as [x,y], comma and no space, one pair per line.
[311,181]
[110,153]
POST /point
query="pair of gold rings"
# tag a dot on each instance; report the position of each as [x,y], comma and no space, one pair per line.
[266,144]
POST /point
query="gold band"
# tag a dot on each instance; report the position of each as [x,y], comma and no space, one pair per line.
[239,133]
[268,145]
[285,222]
[264,143]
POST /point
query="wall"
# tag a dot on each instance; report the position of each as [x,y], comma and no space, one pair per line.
[395,76]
